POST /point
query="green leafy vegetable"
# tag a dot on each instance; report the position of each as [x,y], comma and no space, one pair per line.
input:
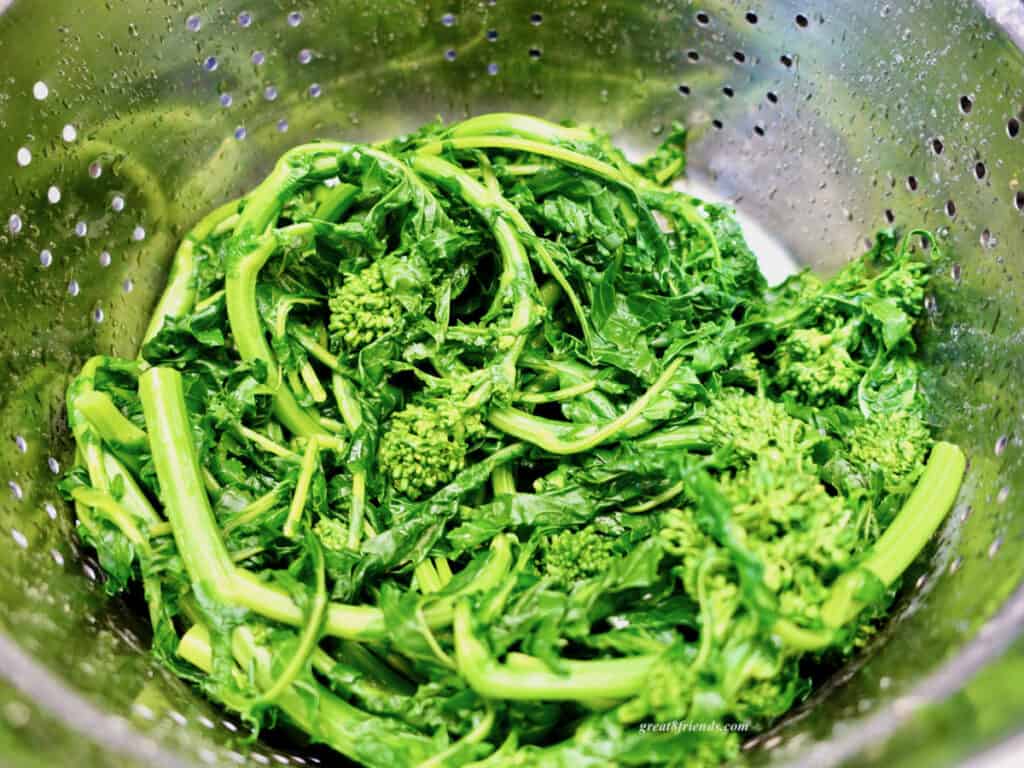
[487,446]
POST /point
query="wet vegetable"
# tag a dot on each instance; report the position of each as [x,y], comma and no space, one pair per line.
[485,446]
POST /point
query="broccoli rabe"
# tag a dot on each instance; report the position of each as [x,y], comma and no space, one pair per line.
[569,556]
[362,310]
[425,444]
[818,365]
[893,447]
[487,447]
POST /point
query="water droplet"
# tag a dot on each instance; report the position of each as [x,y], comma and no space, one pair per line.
[69,133]
[305,56]
[24,156]
[128,285]
[45,257]
[20,444]
[282,125]
[240,132]
[19,538]
[492,69]
[54,466]
[16,491]
[270,93]
[995,546]
[40,90]
[73,288]
[58,558]
[53,195]
[315,90]
[14,224]
[177,717]
[105,258]
[448,20]
[258,57]
[138,234]
[193,23]
[81,229]
[51,510]
[245,19]
[210,64]
[294,19]
[95,170]
[226,100]
[117,204]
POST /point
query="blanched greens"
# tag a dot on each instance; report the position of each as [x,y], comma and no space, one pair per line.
[485,446]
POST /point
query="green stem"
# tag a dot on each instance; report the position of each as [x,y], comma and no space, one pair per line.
[352,413]
[901,543]
[655,501]
[265,443]
[517,278]
[313,708]
[254,511]
[893,552]
[310,635]
[515,124]
[557,396]
[180,293]
[252,246]
[182,491]
[600,679]
[196,534]
[301,496]
[568,439]
[503,482]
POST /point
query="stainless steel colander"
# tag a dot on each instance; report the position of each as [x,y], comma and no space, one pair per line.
[122,121]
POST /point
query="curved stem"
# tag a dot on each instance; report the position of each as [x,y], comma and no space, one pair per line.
[517,277]
[310,634]
[531,429]
[601,679]
[180,294]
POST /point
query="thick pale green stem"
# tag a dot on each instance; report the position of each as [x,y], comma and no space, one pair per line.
[182,491]
[180,294]
[900,544]
[253,245]
[601,679]
[196,533]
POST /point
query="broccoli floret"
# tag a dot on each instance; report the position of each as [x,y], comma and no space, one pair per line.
[894,447]
[425,444]
[333,534]
[573,555]
[818,364]
[362,310]
[748,424]
[752,424]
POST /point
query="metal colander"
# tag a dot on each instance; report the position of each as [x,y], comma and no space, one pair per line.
[122,121]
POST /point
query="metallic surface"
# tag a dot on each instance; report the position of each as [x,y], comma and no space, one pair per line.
[122,120]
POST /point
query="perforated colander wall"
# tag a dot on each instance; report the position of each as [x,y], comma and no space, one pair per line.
[121,121]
